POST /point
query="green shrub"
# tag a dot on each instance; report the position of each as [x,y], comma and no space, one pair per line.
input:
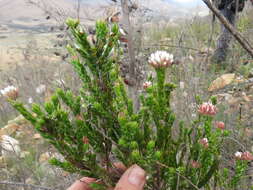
[98,126]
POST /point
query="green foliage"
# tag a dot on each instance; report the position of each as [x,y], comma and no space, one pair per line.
[244,23]
[98,127]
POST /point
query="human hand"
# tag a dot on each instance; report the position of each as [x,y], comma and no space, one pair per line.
[133,178]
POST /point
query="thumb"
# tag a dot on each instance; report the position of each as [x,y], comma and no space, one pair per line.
[133,179]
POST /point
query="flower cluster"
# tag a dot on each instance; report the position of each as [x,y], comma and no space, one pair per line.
[244,156]
[208,108]
[204,142]
[161,59]
[10,92]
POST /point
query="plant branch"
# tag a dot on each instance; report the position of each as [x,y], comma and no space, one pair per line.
[238,36]
[189,181]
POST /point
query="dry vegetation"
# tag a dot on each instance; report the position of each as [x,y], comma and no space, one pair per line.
[191,41]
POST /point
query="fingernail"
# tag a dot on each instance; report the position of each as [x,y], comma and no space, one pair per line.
[136,176]
[87,180]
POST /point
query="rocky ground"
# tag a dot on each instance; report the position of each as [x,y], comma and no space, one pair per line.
[32,153]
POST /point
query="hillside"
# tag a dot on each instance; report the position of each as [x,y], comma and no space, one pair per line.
[24,11]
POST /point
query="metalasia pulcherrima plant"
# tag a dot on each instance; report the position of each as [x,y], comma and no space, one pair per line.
[99,127]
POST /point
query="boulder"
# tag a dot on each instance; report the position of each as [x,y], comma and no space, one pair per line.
[10,146]
[9,129]
[221,82]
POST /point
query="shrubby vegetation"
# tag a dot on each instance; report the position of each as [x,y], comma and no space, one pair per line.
[98,126]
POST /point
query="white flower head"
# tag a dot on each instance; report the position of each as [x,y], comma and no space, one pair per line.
[161,59]
[7,90]
[147,84]
[238,154]
[41,89]
[10,92]
[205,140]
[30,100]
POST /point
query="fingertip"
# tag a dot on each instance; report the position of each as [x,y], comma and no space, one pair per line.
[133,179]
[137,176]
[82,184]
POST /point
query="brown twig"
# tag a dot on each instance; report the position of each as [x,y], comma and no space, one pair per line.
[238,36]
[130,45]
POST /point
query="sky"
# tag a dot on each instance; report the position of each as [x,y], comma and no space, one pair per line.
[190,3]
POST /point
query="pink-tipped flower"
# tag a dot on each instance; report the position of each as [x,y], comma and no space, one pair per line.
[161,59]
[195,164]
[207,108]
[85,140]
[204,142]
[10,92]
[220,125]
[244,156]
[247,156]
[147,84]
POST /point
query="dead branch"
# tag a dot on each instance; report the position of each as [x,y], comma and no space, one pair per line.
[238,36]
[127,27]
[132,67]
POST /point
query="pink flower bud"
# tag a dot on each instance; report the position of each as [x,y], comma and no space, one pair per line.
[208,108]
[247,156]
[195,164]
[244,156]
[85,140]
[204,142]
[220,125]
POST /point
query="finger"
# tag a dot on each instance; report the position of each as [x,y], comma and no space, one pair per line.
[82,184]
[133,179]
